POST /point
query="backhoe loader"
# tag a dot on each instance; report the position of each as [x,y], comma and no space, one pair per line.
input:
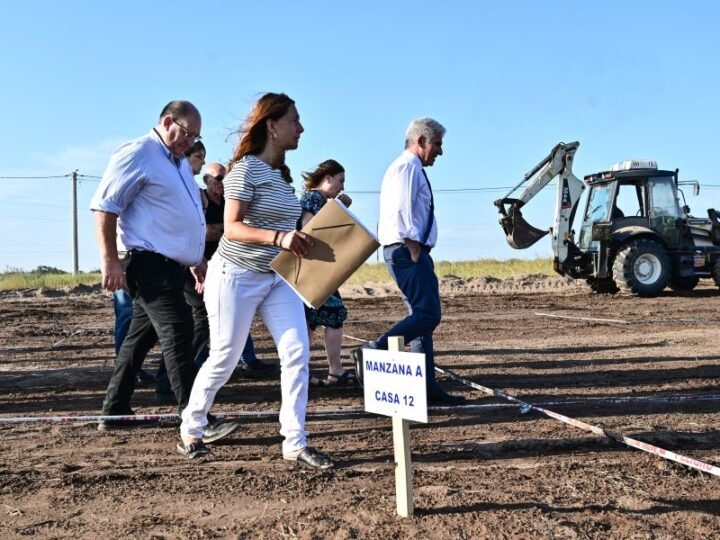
[636,234]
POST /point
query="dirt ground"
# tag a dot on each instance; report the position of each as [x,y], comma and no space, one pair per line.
[488,472]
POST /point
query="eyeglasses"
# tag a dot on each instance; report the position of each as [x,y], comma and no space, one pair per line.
[188,134]
[219,177]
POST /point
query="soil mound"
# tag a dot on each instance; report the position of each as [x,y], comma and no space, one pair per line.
[449,285]
[455,285]
[46,292]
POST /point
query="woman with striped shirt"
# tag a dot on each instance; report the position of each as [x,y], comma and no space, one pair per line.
[261,210]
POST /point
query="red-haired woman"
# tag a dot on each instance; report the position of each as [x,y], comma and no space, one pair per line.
[261,211]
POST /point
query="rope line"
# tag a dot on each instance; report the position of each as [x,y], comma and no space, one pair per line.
[629,441]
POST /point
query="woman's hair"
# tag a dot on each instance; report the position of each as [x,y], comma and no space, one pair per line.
[327,167]
[254,133]
[197,147]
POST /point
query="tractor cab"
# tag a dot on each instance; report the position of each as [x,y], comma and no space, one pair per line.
[639,234]
[632,197]
[636,235]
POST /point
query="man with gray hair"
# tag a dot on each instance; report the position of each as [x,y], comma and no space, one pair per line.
[408,231]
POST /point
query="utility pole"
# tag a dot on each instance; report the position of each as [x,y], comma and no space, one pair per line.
[74,224]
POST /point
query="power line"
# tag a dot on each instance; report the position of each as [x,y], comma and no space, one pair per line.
[34,204]
[92,176]
[36,218]
[34,252]
[359,192]
[34,177]
[448,190]
[354,192]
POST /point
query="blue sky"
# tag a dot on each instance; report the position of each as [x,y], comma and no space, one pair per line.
[509,80]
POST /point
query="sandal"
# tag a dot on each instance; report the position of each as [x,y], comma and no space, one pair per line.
[193,450]
[312,458]
[346,378]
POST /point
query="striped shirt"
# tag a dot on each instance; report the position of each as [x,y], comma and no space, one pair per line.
[272,205]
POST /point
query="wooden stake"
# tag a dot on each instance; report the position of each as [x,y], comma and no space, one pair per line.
[401,446]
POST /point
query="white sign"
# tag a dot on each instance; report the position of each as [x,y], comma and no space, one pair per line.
[394,384]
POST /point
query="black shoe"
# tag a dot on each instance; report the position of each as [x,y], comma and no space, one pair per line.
[356,355]
[218,429]
[140,422]
[255,370]
[441,397]
[192,450]
[313,459]
[143,377]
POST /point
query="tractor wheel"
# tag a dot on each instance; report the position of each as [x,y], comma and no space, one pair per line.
[683,283]
[716,272]
[602,286]
[642,268]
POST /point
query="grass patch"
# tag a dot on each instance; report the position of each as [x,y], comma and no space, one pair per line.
[464,269]
[52,278]
[45,277]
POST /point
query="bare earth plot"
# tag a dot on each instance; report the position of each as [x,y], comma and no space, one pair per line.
[489,473]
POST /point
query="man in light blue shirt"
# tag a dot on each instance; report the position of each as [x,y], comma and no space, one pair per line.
[149,200]
[408,231]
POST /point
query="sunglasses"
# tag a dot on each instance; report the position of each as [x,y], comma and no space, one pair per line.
[219,177]
[188,134]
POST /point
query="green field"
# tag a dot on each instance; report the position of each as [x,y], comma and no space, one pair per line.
[53,278]
[464,269]
[45,277]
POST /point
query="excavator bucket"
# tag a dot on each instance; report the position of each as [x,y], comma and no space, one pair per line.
[518,232]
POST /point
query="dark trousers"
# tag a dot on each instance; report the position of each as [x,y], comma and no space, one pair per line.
[201,336]
[201,330]
[419,285]
[159,313]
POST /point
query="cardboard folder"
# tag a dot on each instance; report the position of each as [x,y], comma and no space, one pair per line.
[342,245]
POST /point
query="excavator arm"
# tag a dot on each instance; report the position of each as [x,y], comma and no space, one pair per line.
[518,232]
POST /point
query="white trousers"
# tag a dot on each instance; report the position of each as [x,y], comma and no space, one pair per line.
[232,297]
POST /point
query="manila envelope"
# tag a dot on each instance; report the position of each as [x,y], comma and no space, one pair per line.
[342,245]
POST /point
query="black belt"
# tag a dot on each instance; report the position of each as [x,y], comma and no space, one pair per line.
[152,254]
[398,244]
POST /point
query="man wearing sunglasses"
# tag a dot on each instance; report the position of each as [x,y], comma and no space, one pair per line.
[148,196]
